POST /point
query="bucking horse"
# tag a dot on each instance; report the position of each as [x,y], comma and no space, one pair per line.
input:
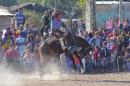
[51,47]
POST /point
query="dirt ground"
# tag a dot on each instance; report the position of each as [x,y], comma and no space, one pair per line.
[120,79]
[9,77]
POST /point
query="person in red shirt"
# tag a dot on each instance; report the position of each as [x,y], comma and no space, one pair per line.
[11,54]
[96,55]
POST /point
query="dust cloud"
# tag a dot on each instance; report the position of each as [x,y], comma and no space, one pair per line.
[9,77]
[52,71]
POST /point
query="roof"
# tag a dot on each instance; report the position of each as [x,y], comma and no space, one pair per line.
[110,2]
[15,7]
[4,11]
[29,6]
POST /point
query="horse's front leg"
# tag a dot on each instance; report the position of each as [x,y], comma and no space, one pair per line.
[83,65]
[42,67]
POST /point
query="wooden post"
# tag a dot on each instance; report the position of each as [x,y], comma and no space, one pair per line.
[91,15]
[121,15]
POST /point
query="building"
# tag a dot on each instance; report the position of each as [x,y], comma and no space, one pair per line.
[5,18]
[106,9]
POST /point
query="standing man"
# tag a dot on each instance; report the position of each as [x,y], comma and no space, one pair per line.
[21,45]
[19,18]
[46,24]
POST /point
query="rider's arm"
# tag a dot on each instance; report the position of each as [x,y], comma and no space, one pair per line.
[53,13]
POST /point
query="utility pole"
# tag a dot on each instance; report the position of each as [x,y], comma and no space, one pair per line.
[121,14]
[91,15]
[71,14]
[56,4]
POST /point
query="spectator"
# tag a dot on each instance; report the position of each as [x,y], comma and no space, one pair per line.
[19,17]
[96,40]
[127,58]
[96,56]
[8,39]
[109,24]
[11,54]
[87,36]
[28,60]
[77,61]
[25,31]
[46,23]
[31,42]
[126,25]
[33,31]
[75,27]
[20,44]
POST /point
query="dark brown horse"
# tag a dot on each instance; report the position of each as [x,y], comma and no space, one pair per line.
[52,47]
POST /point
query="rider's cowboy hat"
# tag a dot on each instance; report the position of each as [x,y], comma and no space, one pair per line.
[58,12]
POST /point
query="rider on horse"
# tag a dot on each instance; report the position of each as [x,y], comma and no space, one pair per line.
[52,24]
[56,23]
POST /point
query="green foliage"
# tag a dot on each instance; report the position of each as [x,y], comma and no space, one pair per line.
[66,5]
[82,3]
[29,1]
[48,3]
[62,4]
[30,15]
[33,17]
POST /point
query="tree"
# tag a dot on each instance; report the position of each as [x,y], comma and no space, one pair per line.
[90,13]
[30,1]
[35,18]
[62,4]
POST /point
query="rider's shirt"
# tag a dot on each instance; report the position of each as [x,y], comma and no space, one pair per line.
[56,24]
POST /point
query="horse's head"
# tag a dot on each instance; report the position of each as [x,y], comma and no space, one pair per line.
[73,40]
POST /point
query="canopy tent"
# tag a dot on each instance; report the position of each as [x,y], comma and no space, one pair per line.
[4,12]
[5,17]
